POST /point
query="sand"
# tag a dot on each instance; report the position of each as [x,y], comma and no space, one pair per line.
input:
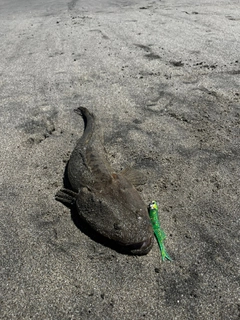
[163,78]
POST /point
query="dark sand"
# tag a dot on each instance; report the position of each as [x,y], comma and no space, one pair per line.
[164,79]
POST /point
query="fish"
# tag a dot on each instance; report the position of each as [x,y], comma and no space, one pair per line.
[159,233]
[107,201]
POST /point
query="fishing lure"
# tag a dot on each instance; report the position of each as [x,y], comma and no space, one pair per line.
[159,233]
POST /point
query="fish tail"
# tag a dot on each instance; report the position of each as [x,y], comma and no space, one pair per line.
[160,235]
[164,253]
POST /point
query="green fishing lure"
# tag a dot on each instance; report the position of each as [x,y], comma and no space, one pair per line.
[159,233]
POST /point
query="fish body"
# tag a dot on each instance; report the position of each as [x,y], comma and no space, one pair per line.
[105,200]
[159,233]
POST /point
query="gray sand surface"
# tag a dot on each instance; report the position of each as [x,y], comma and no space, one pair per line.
[163,77]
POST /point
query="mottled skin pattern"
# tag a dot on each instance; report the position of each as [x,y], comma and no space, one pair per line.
[105,200]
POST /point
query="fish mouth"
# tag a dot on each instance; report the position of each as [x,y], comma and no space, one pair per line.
[140,248]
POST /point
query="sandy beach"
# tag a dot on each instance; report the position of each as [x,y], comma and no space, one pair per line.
[163,78]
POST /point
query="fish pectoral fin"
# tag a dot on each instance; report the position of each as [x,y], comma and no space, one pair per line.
[66,196]
[134,176]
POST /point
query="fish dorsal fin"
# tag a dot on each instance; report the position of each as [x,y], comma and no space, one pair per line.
[134,176]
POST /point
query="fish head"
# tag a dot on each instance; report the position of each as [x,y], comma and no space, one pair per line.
[153,205]
[117,212]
